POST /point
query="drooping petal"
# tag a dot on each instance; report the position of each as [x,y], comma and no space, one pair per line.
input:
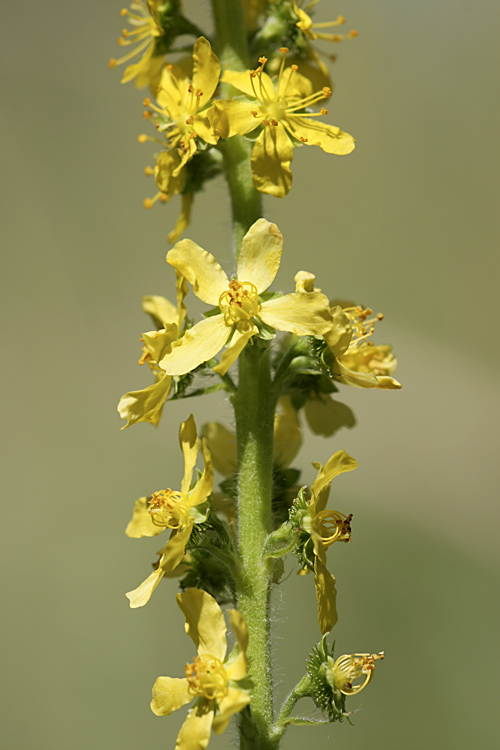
[204,622]
[313,133]
[141,524]
[260,254]
[174,550]
[145,405]
[159,343]
[326,416]
[195,732]
[168,177]
[189,149]
[201,269]
[337,464]
[387,383]
[203,127]
[232,703]
[222,444]
[169,694]
[206,482]
[238,343]
[199,344]
[339,336]
[142,594]
[326,594]
[287,434]
[305,314]
[237,669]
[272,155]
[181,288]
[206,70]
[184,218]
[161,310]
[229,117]
[188,439]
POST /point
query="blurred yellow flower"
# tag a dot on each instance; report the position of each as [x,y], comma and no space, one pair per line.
[314,31]
[168,509]
[242,309]
[282,111]
[325,528]
[146,28]
[147,405]
[213,681]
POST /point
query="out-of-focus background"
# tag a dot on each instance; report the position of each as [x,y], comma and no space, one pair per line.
[407,224]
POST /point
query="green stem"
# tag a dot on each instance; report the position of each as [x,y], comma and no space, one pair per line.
[255,404]
[231,46]
[301,690]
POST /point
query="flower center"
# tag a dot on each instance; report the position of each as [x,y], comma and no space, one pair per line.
[333,526]
[168,508]
[350,667]
[240,302]
[362,324]
[207,677]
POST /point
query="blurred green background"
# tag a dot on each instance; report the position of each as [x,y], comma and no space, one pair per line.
[407,224]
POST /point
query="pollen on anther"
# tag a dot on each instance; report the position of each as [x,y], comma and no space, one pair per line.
[304,140]
[148,203]
[146,102]
[112,63]
[380,316]
[353,33]
[266,122]
[262,60]
[274,122]
[123,12]
[146,114]
[125,33]
[323,111]
[294,68]
[142,138]
[149,171]
[284,50]
[163,197]
[327,92]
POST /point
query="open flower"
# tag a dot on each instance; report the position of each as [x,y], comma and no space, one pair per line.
[217,684]
[314,31]
[242,308]
[147,405]
[326,527]
[342,673]
[168,509]
[281,112]
[146,29]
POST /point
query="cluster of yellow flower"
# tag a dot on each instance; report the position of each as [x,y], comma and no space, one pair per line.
[319,344]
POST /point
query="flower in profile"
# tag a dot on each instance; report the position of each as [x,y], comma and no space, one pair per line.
[283,112]
[147,405]
[219,685]
[169,509]
[326,527]
[358,361]
[342,673]
[314,31]
[243,309]
[146,29]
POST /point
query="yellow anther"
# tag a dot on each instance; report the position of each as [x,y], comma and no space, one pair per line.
[254,112]
[121,41]
[304,140]
[262,60]
[146,102]
[168,508]
[207,677]
[240,302]
[123,12]
[190,120]
[274,122]
[353,33]
[266,122]
[149,171]
[199,92]
[142,138]
[164,198]
[125,33]
[112,63]
[284,50]
[148,203]
[380,316]
[327,92]
[294,68]
[190,88]
[146,114]
[340,19]
[323,111]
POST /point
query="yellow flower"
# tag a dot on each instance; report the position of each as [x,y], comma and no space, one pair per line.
[349,667]
[211,680]
[146,28]
[313,31]
[242,307]
[325,528]
[281,112]
[358,361]
[168,509]
[147,405]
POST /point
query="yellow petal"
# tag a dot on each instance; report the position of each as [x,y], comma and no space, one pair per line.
[172,92]
[142,594]
[256,89]
[161,310]
[206,70]
[204,622]
[240,628]
[201,269]
[337,464]
[386,383]
[184,219]
[202,125]
[189,149]
[206,482]
[200,343]
[169,178]
[328,137]
[159,343]
[260,254]
[145,405]
[287,434]
[169,694]
[195,732]
[238,343]
[326,594]
[141,523]
[326,416]
[229,117]
[188,439]
[272,155]
[304,282]
[222,444]
[296,85]
[232,703]
[181,289]
[339,336]
[174,550]
[305,314]
[353,377]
